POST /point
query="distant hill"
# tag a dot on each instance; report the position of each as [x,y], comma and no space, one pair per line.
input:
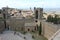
[52,9]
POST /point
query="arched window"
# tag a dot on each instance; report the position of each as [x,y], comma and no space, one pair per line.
[28,29]
[36,14]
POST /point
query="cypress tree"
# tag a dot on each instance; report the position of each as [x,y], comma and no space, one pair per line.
[40,28]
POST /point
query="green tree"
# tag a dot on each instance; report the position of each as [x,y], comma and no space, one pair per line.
[55,19]
[50,18]
[40,28]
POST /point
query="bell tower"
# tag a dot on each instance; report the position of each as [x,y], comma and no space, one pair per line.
[38,15]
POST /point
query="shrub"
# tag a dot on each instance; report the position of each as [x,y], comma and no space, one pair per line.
[24,32]
[33,36]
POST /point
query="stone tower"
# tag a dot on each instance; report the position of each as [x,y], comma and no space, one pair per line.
[38,15]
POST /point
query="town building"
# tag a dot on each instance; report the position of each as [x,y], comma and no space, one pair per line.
[2,26]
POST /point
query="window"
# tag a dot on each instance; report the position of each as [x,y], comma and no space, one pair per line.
[36,21]
[12,15]
[20,11]
[36,14]
[28,29]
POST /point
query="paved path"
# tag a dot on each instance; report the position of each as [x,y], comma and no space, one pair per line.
[9,35]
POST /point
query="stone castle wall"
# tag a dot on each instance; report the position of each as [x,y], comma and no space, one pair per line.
[2,28]
[48,29]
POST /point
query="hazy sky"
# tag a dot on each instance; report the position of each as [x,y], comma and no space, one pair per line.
[30,3]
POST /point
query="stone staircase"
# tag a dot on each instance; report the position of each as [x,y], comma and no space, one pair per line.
[56,36]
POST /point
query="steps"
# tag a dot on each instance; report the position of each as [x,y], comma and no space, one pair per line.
[56,36]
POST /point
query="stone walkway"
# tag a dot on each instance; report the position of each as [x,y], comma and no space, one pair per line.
[38,37]
[9,35]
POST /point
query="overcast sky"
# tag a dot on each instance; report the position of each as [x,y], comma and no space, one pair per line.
[30,3]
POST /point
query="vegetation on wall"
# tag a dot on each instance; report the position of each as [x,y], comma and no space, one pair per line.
[55,20]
